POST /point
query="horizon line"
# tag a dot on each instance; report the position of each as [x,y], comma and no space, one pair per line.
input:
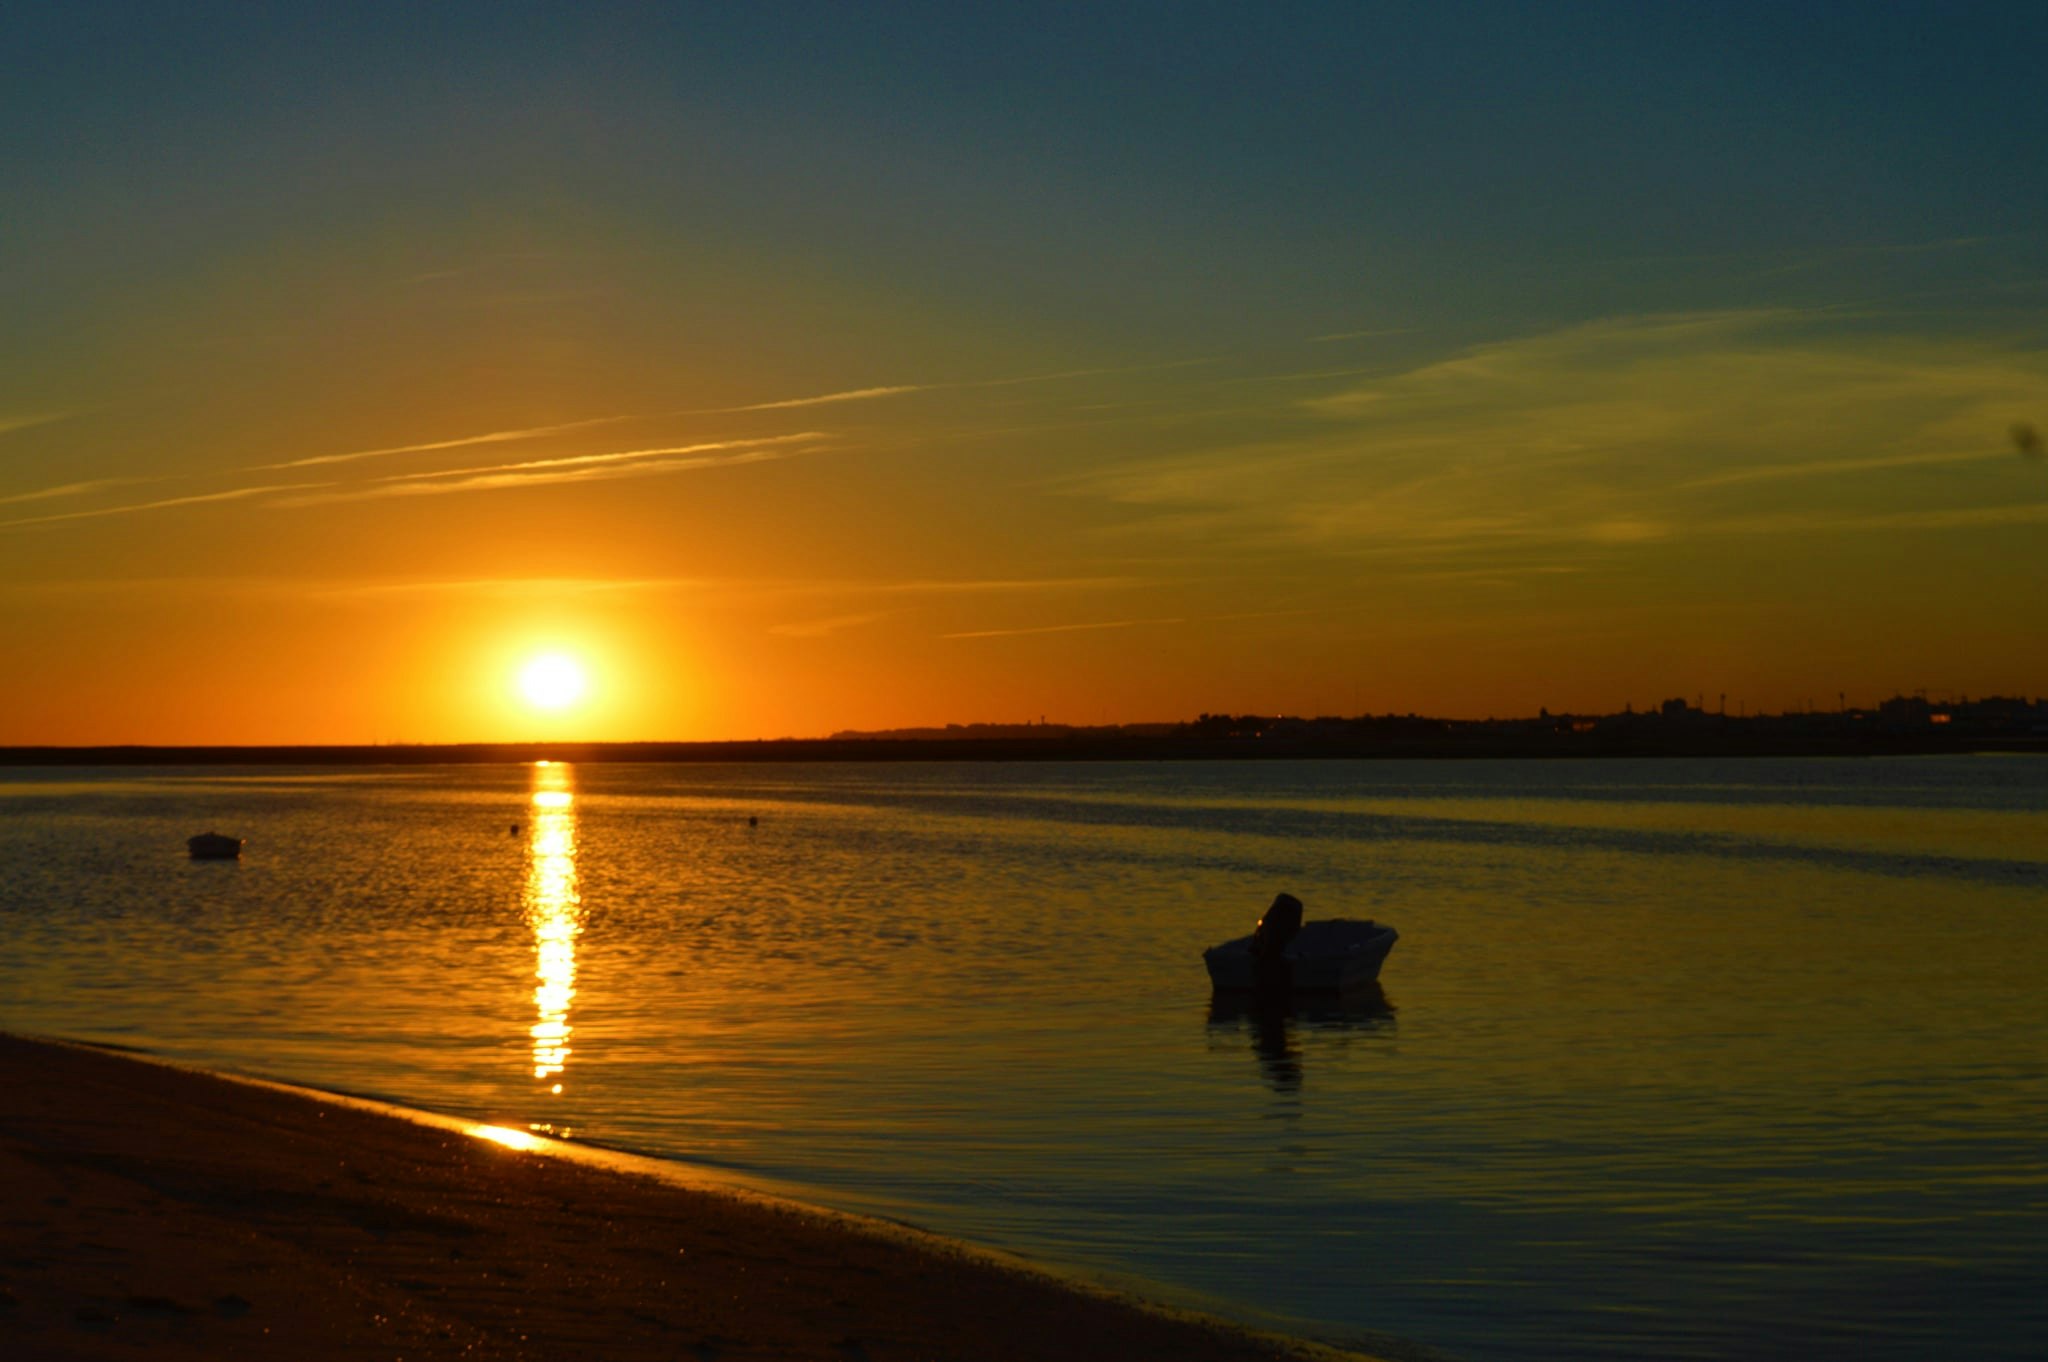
[1020,730]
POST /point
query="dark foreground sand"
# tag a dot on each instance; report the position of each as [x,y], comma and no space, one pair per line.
[154,1212]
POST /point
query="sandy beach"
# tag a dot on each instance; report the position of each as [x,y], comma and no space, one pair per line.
[156,1211]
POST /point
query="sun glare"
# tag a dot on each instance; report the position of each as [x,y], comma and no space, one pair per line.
[551,681]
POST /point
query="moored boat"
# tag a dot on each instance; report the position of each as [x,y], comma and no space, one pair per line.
[1285,953]
[213,846]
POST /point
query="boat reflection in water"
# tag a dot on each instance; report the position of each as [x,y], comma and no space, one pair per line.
[1278,1021]
[554,910]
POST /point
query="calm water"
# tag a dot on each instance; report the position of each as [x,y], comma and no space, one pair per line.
[1675,1058]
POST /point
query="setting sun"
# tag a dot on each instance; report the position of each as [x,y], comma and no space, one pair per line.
[552,681]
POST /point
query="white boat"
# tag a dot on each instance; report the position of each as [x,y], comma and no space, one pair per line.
[1330,955]
[213,846]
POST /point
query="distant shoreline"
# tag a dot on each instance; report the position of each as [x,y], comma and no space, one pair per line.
[1643,741]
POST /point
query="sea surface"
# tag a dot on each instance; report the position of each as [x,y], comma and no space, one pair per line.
[1675,1058]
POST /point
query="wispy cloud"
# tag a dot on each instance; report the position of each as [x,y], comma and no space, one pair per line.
[564,427]
[822,628]
[852,395]
[871,590]
[639,463]
[433,446]
[1833,468]
[1293,612]
[712,588]
[10,424]
[1062,375]
[1307,375]
[520,588]
[232,494]
[1365,335]
[931,586]
[1504,572]
[570,461]
[1603,439]
[627,463]
[905,389]
[1065,628]
[775,586]
[116,588]
[344,591]
[69,489]
[1825,522]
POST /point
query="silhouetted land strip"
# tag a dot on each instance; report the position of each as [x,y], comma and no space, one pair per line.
[1474,741]
[1901,725]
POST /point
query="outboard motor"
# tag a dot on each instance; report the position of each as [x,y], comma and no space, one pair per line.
[1277,928]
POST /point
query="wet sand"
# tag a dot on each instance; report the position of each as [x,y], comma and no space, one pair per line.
[159,1212]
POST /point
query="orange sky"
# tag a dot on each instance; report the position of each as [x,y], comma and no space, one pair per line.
[327,456]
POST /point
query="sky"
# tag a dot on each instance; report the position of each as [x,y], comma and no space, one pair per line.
[785,369]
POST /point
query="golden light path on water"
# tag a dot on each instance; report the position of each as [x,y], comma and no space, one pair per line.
[554,910]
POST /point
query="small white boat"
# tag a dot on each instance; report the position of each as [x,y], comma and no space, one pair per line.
[1331,955]
[213,846]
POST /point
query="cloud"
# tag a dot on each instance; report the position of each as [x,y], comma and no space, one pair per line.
[904,389]
[1822,522]
[1365,335]
[499,587]
[313,461]
[824,627]
[628,463]
[1608,438]
[714,590]
[432,446]
[781,587]
[610,457]
[928,586]
[1835,468]
[545,472]
[853,395]
[1499,573]
[232,494]
[1064,628]
[1160,366]
[1294,612]
[303,589]
[1309,375]
[69,489]
[85,588]
[10,424]
[588,423]
[888,597]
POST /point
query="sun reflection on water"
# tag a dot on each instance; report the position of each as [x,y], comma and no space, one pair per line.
[555,912]
[504,1135]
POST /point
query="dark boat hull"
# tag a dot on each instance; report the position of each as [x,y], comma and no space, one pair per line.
[212,846]
[1330,956]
